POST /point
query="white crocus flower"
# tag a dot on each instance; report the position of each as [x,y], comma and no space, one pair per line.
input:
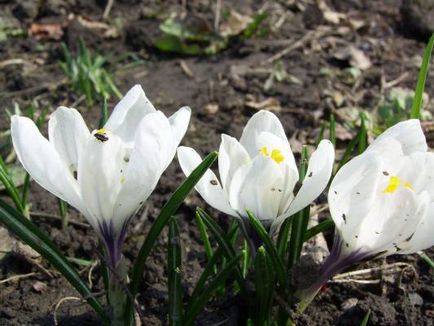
[108,173]
[259,173]
[382,201]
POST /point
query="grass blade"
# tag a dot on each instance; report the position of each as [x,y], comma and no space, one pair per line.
[420,86]
[10,187]
[426,258]
[320,227]
[264,283]
[204,235]
[168,210]
[26,231]
[174,277]
[269,246]
[365,320]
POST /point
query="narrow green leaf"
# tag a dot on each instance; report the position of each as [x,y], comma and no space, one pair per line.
[420,86]
[426,258]
[283,238]
[174,277]
[269,246]
[366,318]
[204,235]
[320,227]
[63,212]
[363,138]
[264,284]
[9,185]
[246,258]
[26,231]
[332,126]
[197,304]
[321,134]
[224,243]
[104,113]
[168,210]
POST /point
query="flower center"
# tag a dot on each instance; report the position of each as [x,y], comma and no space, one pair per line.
[276,154]
[394,183]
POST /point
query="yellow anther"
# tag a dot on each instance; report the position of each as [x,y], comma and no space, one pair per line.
[408,186]
[394,183]
[276,155]
[101,131]
[264,151]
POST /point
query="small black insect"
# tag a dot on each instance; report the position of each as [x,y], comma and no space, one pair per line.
[101,137]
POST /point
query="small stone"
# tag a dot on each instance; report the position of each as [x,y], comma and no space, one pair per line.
[349,303]
[211,108]
[415,299]
[39,286]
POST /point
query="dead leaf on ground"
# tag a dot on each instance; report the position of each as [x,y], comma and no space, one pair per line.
[46,31]
[357,58]
[234,24]
[270,104]
[212,108]
[106,30]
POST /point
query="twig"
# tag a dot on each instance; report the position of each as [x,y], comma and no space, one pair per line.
[317,33]
[17,277]
[390,268]
[58,218]
[218,7]
[186,69]
[9,62]
[107,9]
[89,276]
[58,306]
[385,84]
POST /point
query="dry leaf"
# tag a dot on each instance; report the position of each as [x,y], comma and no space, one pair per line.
[356,57]
[211,108]
[270,104]
[234,24]
[46,31]
[107,30]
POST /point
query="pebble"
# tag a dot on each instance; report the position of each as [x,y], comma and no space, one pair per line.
[415,299]
[349,303]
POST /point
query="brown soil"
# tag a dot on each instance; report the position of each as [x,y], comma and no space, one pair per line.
[384,37]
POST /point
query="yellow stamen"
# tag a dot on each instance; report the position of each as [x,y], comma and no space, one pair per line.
[101,131]
[394,183]
[276,155]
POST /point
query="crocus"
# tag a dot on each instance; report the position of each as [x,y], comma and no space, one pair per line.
[382,200]
[259,173]
[106,174]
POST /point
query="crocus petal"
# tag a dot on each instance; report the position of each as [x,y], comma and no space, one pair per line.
[259,122]
[128,113]
[231,157]
[423,236]
[318,174]
[146,164]
[258,187]
[43,163]
[100,176]
[179,124]
[409,133]
[68,133]
[208,186]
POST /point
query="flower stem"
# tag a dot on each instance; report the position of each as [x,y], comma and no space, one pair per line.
[117,294]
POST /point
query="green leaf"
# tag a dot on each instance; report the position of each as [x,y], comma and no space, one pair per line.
[320,227]
[426,259]
[420,86]
[269,246]
[197,304]
[366,318]
[168,210]
[7,180]
[224,243]
[27,232]
[264,283]
[204,235]
[174,277]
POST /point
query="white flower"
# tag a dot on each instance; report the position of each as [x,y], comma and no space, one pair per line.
[382,201]
[106,174]
[259,172]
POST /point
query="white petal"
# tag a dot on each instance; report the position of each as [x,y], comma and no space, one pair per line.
[408,133]
[179,124]
[68,133]
[100,175]
[317,177]
[258,187]
[259,122]
[146,164]
[423,236]
[128,113]
[208,186]
[353,190]
[43,163]
[231,157]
